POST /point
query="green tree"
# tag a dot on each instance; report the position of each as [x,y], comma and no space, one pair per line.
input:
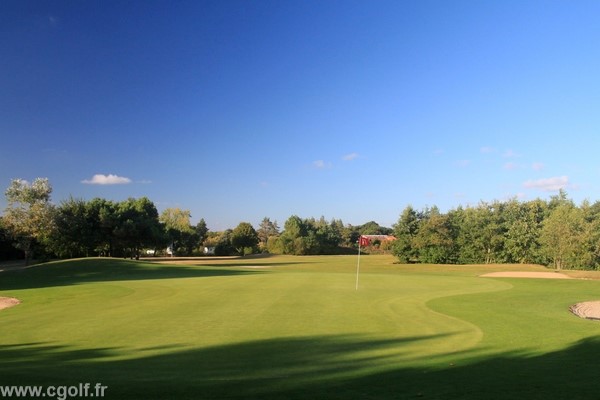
[373,228]
[405,231]
[561,198]
[479,235]
[350,235]
[244,238]
[266,230]
[211,239]
[7,250]
[191,240]
[138,225]
[177,226]
[274,245]
[29,218]
[591,235]
[467,240]
[522,226]
[102,217]
[75,232]
[201,230]
[434,242]
[328,237]
[562,236]
[290,241]
[491,231]
[222,240]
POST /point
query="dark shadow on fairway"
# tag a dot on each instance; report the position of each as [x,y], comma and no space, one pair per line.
[326,367]
[73,272]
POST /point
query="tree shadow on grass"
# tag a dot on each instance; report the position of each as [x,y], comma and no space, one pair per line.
[73,272]
[323,367]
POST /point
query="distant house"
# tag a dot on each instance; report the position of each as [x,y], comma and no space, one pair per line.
[381,238]
[209,251]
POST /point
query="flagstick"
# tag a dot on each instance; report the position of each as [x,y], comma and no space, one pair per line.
[358,264]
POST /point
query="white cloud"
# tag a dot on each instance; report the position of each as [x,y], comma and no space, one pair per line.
[549,184]
[511,166]
[320,164]
[350,157]
[538,166]
[100,179]
[463,163]
[510,154]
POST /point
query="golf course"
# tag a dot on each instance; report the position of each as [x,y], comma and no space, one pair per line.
[291,327]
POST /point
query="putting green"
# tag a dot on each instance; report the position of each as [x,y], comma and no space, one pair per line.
[293,328]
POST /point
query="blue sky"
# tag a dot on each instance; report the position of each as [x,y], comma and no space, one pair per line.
[239,110]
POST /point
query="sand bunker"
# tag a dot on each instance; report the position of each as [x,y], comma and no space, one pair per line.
[519,274]
[587,309]
[6,302]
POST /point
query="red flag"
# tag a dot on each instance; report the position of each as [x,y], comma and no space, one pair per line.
[364,241]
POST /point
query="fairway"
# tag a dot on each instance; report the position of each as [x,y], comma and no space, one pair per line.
[287,327]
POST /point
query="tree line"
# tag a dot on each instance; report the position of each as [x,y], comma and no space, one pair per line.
[554,232]
[131,228]
[77,227]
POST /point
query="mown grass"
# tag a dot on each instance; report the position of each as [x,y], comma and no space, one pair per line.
[295,327]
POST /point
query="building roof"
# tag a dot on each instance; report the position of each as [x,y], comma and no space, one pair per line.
[380,237]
